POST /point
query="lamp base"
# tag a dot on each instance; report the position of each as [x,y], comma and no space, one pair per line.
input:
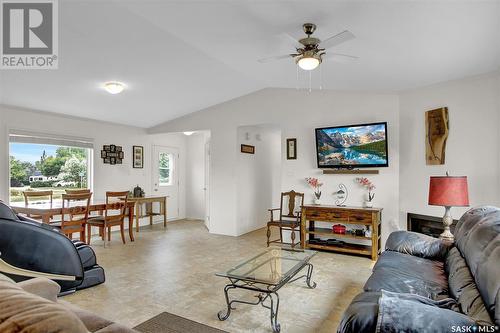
[447,221]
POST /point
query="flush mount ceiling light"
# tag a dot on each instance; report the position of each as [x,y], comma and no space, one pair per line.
[188,133]
[114,87]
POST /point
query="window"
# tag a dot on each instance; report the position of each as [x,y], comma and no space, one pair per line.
[165,166]
[40,162]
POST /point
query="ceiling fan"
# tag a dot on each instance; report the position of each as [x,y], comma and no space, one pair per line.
[311,53]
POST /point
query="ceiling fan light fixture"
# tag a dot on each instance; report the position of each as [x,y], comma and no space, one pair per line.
[308,63]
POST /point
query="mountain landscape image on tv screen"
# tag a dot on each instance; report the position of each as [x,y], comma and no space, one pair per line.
[353,146]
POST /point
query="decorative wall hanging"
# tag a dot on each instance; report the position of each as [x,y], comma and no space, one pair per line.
[138,157]
[341,195]
[112,154]
[247,149]
[291,149]
[436,134]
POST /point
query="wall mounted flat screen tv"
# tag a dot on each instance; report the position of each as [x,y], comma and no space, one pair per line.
[354,146]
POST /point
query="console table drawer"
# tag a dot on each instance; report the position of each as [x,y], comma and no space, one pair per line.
[361,217]
[327,215]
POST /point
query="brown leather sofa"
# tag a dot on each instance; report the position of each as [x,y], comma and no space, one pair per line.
[424,284]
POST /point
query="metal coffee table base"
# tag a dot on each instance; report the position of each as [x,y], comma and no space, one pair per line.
[265,292]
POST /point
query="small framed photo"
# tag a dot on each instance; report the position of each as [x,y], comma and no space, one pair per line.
[247,149]
[138,157]
[291,149]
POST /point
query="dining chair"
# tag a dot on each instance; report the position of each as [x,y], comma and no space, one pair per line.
[289,217]
[114,215]
[36,195]
[74,214]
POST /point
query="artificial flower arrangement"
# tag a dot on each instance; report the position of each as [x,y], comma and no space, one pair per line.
[315,184]
[363,181]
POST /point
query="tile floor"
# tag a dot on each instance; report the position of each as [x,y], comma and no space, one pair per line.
[174,270]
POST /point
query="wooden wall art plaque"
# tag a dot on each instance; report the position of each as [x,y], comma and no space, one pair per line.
[436,134]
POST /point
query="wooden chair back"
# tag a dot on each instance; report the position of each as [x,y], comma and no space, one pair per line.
[77,191]
[74,213]
[36,194]
[291,203]
[116,196]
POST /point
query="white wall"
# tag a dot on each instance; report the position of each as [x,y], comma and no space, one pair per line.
[472,149]
[106,177]
[195,175]
[297,113]
[258,176]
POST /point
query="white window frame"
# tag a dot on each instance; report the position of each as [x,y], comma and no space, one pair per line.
[170,168]
[50,139]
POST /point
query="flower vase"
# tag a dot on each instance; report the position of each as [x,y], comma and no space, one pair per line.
[317,201]
[368,204]
[368,232]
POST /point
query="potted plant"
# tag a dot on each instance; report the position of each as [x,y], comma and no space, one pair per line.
[316,186]
[365,182]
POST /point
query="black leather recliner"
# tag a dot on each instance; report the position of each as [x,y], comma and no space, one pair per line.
[30,249]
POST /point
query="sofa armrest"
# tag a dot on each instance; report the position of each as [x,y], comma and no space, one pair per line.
[417,244]
[42,287]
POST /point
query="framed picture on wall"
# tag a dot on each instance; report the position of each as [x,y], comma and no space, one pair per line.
[138,157]
[291,149]
[112,154]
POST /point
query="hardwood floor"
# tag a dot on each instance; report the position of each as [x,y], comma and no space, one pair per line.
[173,270]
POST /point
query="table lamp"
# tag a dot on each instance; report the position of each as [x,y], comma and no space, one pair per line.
[448,191]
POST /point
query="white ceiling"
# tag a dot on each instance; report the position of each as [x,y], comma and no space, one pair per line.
[177,57]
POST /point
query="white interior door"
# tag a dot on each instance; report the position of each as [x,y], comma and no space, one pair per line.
[207,185]
[166,177]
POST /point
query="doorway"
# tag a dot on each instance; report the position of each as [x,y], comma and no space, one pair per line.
[166,177]
[198,177]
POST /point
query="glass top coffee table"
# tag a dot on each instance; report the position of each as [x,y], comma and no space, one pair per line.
[266,273]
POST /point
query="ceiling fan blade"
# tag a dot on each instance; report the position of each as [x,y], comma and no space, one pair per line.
[269,59]
[340,57]
[291,40]
[339,38]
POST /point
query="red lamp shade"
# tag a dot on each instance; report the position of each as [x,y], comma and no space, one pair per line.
[448,191]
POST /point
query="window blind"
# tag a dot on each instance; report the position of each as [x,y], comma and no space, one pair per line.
[21,136]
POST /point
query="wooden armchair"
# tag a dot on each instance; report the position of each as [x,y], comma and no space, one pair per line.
[289,217]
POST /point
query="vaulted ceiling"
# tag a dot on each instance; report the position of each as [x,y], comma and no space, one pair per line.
[178,57]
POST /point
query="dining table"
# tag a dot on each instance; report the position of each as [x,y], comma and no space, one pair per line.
[46,210]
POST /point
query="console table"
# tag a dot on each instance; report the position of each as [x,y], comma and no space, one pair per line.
[139,201]
[317,220]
